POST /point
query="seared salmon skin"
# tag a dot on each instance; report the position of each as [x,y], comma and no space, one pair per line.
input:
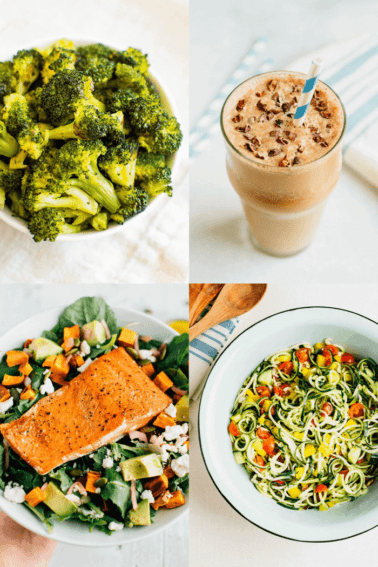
[112,397]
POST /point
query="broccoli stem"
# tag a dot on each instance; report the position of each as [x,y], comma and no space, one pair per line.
[2,198]
[17,161]
[98,187]
[71,229]
[9,146]
[64,132]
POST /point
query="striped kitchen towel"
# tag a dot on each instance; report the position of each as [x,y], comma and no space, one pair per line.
[351,69]
[204,350]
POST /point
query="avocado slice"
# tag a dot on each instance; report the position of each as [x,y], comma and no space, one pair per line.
[58,503]
[182,408]
[42,348]
[141,516]
[93,332]
[143,466]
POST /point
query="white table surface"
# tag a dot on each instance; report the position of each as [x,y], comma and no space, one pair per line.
[218,535]
[221,34]
[167,303]
[153,247]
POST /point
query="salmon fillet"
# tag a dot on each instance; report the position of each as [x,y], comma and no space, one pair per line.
[112,397]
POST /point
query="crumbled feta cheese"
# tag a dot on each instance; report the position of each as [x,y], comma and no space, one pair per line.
[108,452]
[46,371]
[91,456]
[172,432]
[27,381]
[14,493]
[97,346]
[85,348]
[73,498]
[147,354]
[183,449]
[107,463]
[157,440]
[118,469]
[91,513]
[47,387]
[147,495]
[84,366]
[171,410]
[164,451]
[185,428]
[180,466]
[115,526]
[4,406]
[98,490]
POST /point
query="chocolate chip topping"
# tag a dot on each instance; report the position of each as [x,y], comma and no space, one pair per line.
[240,105]
[274,152]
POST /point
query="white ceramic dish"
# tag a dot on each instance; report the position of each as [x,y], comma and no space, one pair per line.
[359,335]
[72,532]
[173,161]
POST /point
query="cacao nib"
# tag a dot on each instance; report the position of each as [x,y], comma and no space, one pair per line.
[296,160]
[259,157]
[240,104]
[236,118]
[256,142]
[271,85]
[261,106]
[274,152]
[279,123]
[286,106]
[284,162]
[325,114]
[247,128]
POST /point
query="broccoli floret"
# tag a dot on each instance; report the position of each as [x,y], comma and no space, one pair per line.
[134,201]
[87,125]
[8,144]
[146,114]
[73,197]
[10,180]
[29,135]
[36,112]
[58,59]
[96,66]
[16,113]
[119,100]
[148,165]
[96,50]
[100,221]
[135,58]
[17,205]
[119,163]
[165,140]
[26,68]
[48,223]
[62,95]
[129,78]
[80,158]
[6,78]
[116,128]
[159,183]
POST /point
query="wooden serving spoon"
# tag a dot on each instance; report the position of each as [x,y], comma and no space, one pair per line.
[205,294]
[233,300]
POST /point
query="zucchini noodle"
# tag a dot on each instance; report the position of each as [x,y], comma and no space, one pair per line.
[305,426]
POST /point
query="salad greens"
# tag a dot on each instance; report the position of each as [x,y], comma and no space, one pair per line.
[113,500]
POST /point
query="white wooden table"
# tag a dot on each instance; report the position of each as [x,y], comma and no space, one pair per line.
[167,303]
[221,250]
[218,535]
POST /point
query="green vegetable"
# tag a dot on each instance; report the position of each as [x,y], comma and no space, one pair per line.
[88,309]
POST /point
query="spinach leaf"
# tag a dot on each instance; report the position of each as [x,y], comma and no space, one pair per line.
[54,335]
[177,353]
[87,309]
[43,514]
[178,378]
[117,490]
[63,478]
[23,478]
[182,482]
[103,349]
[5,369]
[98,457]
[37,377]
[129,452]
[2,452]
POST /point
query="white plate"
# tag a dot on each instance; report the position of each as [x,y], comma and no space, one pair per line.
[172,162]
[72,532]
[359,335]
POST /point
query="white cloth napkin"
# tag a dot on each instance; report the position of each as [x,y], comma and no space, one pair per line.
[351,69]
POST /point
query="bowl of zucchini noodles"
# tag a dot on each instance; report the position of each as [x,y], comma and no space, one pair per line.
[288,424]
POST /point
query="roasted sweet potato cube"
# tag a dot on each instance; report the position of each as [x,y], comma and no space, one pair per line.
[176,500]
[162,381]
[16,357]
[148,369]
[157,485]
[161,500]
[127,337]
[35,496]
[163,420]
[71,332]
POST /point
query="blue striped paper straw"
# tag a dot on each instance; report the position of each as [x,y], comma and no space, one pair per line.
[308,91]
[205,127]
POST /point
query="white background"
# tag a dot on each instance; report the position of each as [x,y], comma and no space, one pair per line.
[167,303]
[154,246]
[218,535]
[222,32]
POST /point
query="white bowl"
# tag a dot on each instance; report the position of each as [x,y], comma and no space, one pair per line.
[172,162]
[73,532]
[359,335]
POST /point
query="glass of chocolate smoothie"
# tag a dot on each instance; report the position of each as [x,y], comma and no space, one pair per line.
[282,172]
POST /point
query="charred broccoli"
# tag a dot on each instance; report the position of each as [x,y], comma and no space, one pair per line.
[134,201]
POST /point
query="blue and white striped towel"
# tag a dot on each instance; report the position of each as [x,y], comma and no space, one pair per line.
[204,350]
[351,69]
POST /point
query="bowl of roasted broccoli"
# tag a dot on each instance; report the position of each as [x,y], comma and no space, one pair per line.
[89,137]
